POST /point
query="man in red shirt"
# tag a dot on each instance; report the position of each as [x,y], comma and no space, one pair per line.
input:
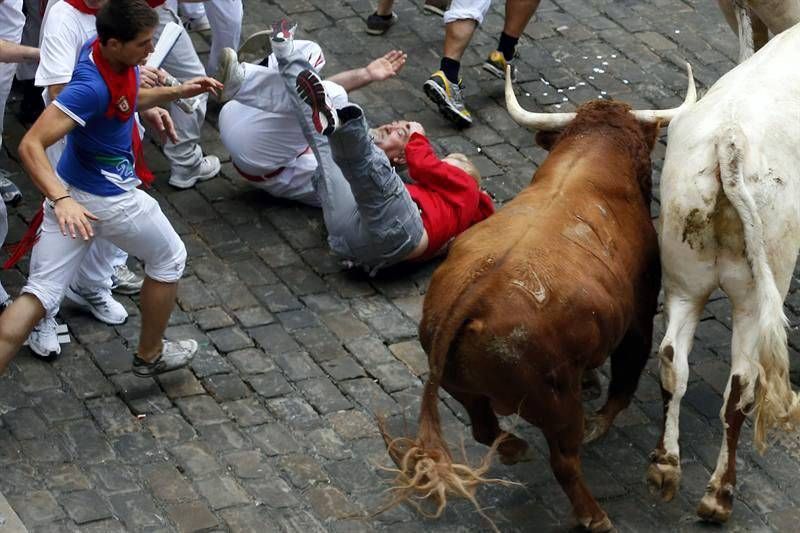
[373,218]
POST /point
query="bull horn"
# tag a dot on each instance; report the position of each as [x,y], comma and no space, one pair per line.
[664,116]
[537,121]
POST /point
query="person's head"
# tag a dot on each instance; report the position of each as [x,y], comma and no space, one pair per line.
[461,161]
[392,138]
[125,30]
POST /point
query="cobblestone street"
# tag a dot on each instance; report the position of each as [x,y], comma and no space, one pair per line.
[272,428]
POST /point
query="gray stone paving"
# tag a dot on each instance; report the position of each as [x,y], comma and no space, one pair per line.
[272,428]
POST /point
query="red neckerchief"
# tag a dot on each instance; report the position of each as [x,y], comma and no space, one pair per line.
[122,88]
[81,6]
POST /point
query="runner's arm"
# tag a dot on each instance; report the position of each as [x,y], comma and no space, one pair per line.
[162,95]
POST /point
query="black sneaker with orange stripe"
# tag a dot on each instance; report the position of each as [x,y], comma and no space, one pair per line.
[312,91]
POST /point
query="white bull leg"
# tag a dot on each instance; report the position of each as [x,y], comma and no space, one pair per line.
[683,313]
[717,503]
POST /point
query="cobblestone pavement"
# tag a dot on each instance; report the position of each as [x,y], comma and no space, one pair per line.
[272,429]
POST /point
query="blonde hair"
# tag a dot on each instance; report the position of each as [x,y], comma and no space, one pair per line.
[466,165]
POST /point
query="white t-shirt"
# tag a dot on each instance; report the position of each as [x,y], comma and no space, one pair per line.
[64,31]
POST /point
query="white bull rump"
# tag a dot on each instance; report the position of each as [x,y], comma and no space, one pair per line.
[730,218]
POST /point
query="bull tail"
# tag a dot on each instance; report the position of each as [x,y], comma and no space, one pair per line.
[775,404]
[425,469]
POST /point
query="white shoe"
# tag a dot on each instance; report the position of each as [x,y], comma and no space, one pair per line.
[125,281]
[98,302]
[197,24]
[174,355]
[43,340]
[283,38]
[208,168]
[230,74]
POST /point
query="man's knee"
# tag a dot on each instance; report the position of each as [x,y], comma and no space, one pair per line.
[168,266]
[48,293]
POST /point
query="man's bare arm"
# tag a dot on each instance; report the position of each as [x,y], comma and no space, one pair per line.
[161,95]
[380,69]
[17,53]
[54,90]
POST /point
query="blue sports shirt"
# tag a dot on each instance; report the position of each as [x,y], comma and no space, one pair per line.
[98,158]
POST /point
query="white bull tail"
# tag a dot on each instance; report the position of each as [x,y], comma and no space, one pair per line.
[776,405]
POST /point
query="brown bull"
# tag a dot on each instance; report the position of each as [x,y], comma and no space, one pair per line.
[528,300]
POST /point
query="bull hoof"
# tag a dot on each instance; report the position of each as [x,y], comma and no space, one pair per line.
[514,450]
[716,505]
[591,388]
[664,474]
[596,525]
[594,427]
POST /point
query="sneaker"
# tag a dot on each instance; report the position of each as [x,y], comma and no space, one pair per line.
[256,47]
[98,302]
[496,63]
[283,38]
[310,89]
[125,281]
[230,74]
[197,24]
[43,340]
[437,7]
[208,168]
[448,97]
[174,355]
[378,24]
[8,190]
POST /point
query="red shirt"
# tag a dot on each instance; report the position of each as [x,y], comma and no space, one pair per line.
[448,197]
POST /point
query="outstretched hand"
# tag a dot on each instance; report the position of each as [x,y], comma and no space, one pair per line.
[387,66]
[200,85]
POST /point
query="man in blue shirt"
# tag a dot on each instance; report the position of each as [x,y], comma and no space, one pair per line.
[93,191]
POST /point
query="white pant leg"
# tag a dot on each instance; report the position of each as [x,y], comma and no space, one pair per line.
[134,222]
[183,63]
[98,265]
[54,261]
[7,71]
[467,9]
[225,18]
[263,87]
[3,233]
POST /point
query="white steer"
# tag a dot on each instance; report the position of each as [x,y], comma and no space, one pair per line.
[730,218]
[753,20]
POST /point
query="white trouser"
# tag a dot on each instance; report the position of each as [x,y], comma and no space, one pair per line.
[30,36]
[3,233]
[132,221]
[11,22]
[182,62]
[225,18]
[467,9]
[264,89]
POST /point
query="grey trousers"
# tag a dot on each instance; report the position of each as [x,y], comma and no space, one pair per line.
[371,219]
[182,62]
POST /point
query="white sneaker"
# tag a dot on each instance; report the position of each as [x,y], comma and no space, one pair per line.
[125,281]
[230,74]
[208,168]
[283,38]
[197,24]
[174,355]
[43,340]
[98,302]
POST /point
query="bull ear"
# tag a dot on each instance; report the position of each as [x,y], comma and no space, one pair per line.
[546,139]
